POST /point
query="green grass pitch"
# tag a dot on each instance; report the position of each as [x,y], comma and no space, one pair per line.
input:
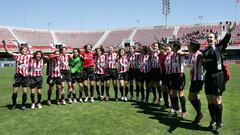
[108,118]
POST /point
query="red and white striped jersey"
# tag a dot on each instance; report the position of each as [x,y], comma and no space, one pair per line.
[54,68]
[64,61]
[22,63]
[134,60]
[167,63]
[111,60]
[196,66]
[177,63]
[161,62]
[36,67]
[122,64]
[145,63]
[155,59]
[99,64]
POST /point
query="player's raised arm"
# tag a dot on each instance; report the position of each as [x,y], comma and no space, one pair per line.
[5,47]
[224,42]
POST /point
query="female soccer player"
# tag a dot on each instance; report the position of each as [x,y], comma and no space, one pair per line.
[214,77]
[111,70]
[155,72]
[145,68]
[99,61]
[166,81]
[196,76]
[66,74]
[164,89]
[21,75]
[88,71]
[178,78]
[133,74]
[54,76]
[122,63]
[75,64]
[36,79]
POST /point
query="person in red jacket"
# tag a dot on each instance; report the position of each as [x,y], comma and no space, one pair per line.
[88,72]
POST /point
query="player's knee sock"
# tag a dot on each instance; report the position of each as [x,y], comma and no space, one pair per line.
[176,105]
[97,89]
[218,112]
[121,91]
[57,95]
[196,105]
[24,99]
[147,94]
[142,92]
[92,90]
[80,92]
[137,91]
[32,97]
[131,90]
[39,95]
[49,94]
[154,93]
[126,91]
[102,90]
[74,94]
[159,92]
[183,104]
[62,96]
[86,91]
[14,98]
[211,111]
[116,91]
[172,102]
[107,91]
[165,97]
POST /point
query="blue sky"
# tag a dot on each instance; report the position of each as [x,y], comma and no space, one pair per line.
[107,14]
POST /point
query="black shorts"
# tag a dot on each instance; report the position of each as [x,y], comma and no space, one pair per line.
[111,74]
[36,82]
[155,74]
[88,73]
[99,77]
[76,77]
[20,80]
[178,81]
[66,75]
[145,77]
[196,86]
[54,80]
[214,83]
[166,80]
[123,76]
[133,74]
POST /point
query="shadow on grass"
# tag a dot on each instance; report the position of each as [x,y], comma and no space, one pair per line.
[164,118]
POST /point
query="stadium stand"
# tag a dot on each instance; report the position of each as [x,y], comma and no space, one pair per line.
[116,37]
[38,39]
[6,35]
[44,39]
[78,39]
[147,36]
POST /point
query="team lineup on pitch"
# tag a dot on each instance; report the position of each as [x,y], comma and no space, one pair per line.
[122,67]
[158,69]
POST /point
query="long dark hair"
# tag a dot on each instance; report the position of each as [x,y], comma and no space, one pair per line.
[61,49]
[85,46]
[145,50]
[78,50]
[34,55]
[119,52]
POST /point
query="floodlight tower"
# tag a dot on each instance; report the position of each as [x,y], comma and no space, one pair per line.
[166,10]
